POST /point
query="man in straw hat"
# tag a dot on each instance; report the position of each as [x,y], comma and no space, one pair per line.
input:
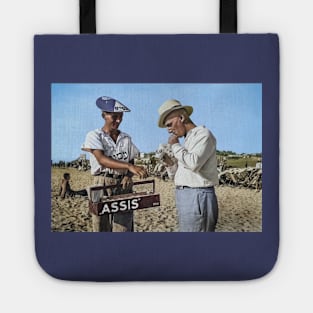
[112,154]
[196,171]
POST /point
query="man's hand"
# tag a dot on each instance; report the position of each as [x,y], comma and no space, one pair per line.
[173,139]
[167,160]
[126,182]
[138,170]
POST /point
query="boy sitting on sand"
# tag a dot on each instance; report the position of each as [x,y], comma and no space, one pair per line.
[65,188]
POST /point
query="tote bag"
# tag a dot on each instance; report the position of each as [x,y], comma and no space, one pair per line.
[228,87]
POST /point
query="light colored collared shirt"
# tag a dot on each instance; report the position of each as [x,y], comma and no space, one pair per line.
[123,150]
[197,164]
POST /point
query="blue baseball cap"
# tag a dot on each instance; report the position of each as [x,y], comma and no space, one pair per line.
[107,104]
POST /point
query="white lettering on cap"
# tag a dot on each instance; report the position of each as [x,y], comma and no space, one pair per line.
[119,107]
[106,98]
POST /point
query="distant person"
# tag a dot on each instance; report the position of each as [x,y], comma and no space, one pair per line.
[195,174]
[112,155]
[65,188]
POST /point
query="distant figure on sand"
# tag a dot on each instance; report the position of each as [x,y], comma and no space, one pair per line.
[65,188]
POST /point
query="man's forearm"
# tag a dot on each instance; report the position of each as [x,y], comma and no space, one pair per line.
[109,162]
[195,159]
[130,174]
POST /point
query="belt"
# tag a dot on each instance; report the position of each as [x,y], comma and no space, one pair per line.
[116,176]
[187,187]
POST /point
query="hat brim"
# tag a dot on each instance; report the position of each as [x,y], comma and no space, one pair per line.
[163,116]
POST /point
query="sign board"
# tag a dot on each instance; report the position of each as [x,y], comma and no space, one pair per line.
[125,202]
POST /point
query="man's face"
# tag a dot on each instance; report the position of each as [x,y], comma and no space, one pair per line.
[113,120]
[175,125]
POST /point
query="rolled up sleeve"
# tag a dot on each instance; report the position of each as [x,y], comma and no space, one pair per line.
[93,141]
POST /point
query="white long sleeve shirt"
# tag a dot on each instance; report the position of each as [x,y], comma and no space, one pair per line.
[197,165]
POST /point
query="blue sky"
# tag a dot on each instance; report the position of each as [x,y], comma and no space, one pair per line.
[233,112]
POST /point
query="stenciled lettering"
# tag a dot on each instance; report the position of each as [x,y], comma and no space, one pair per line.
[123,205]
[120,156]
[135,204]
[116,206]
[105,209]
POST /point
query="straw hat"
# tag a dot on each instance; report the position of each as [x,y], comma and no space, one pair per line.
[169,106]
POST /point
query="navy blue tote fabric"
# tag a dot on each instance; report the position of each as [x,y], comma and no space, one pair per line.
[222,58]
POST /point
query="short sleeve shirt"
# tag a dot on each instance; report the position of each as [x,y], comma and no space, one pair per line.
[122,150]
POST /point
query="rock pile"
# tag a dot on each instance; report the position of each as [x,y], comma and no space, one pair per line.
[249,177]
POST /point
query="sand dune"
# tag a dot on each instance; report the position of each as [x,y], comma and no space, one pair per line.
[240,210]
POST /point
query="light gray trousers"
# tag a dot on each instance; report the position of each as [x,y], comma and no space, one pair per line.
[197,209]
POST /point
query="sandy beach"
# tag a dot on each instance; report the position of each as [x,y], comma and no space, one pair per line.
[240,209]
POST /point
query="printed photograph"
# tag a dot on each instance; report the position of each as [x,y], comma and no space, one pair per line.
[156,157]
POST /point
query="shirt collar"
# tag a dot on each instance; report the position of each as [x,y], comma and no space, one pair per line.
[121,134]
[191,131]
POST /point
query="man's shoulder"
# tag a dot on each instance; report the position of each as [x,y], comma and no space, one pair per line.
[95,134]
[124,135]
[202,131]
[96,131]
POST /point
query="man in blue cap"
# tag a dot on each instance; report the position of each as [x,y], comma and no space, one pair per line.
[112,155]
